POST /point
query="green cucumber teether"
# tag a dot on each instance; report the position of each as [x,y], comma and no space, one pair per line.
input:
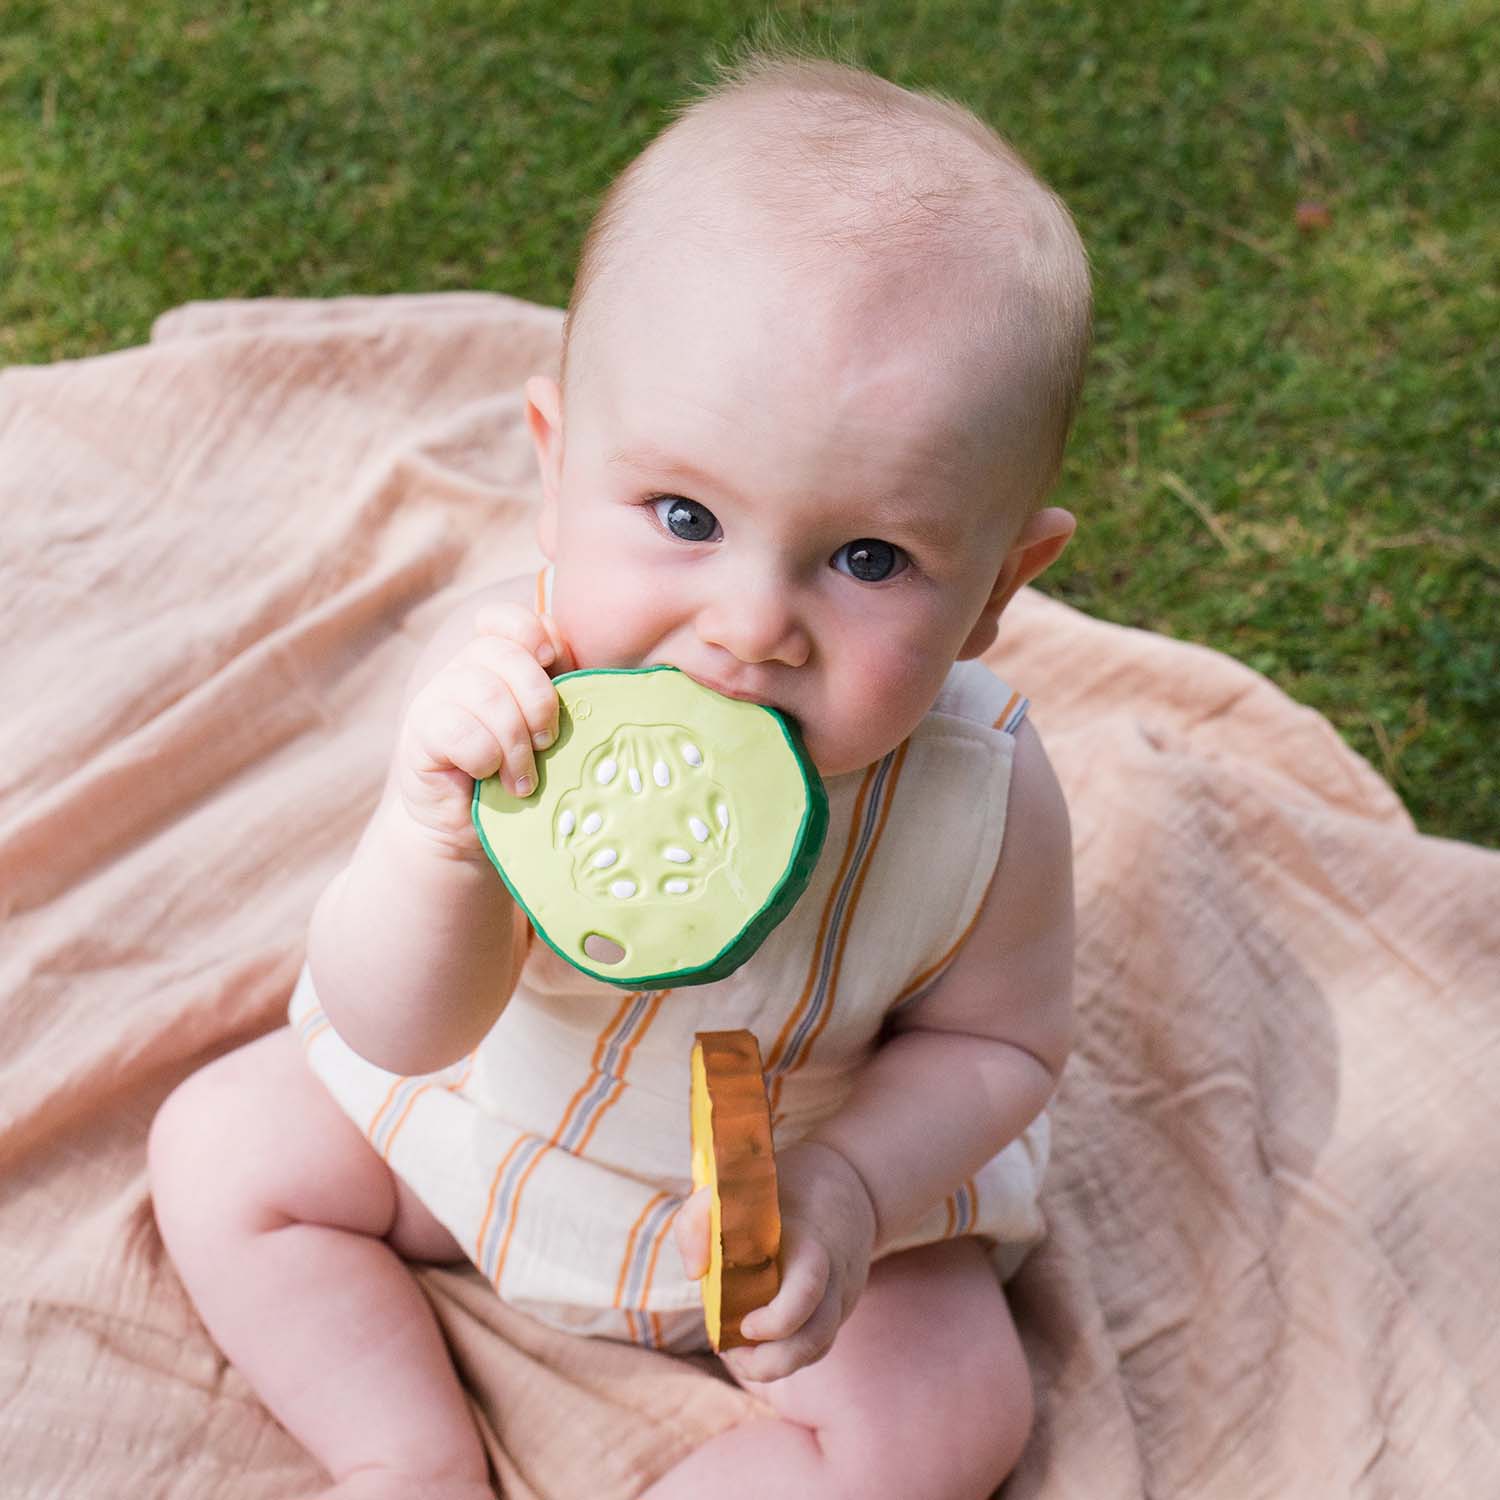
[671,829]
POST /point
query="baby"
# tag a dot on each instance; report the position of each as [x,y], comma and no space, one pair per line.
[819,367]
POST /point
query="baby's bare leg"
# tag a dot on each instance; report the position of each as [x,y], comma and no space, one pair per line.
[285,1227]
[925,1392]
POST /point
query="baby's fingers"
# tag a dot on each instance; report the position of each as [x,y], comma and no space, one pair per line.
[529,688]
[470,721]
[797,1326]
[804,1286]
[777,1356]
[533,632]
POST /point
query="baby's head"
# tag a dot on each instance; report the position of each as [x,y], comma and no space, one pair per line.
[824,347]
[845,197]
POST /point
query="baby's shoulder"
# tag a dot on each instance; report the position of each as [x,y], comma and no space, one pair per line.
[994,715]
[974,693]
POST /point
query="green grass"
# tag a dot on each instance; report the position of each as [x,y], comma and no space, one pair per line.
[1289,448]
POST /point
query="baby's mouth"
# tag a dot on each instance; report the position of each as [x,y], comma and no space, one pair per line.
[725,691]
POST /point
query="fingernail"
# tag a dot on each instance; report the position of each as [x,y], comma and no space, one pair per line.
[541,739]
[523,787]
[545,654]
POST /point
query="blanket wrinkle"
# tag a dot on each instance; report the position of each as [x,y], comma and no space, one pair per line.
[431,471]
[73,1086]
[267,680]
[124,1348]
[1078,1363]
[1274,1227]
[1234,696]
[1286,847]
[1153,675]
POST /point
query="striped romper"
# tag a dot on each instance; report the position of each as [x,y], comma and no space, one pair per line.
[557,1153]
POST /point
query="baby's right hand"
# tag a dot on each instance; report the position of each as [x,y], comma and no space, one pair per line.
[482,713]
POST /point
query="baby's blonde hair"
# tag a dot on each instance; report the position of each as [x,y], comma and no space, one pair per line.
[837,158]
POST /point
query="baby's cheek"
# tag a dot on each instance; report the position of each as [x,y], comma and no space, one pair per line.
[614,616]
[904,683]
[876,704]
[590,621]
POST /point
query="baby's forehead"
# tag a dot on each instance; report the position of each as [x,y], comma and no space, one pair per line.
[744,315]
[778,385]
[740,303]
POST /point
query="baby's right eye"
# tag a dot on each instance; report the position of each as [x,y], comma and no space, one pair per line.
[686,519]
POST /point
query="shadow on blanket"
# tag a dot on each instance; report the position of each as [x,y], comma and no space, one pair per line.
[1275,1217]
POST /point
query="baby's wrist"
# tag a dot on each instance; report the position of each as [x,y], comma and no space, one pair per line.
[408,843]
[834,1162]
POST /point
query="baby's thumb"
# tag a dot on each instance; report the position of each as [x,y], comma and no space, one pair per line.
[563,660]
[691,1232]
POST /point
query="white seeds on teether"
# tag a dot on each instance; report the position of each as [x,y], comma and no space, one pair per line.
[566,822]
[635,779]
[623,889]
[661,774]
[722,813]
[605,858]
[593,823]
[692,754]
[676,887]
[676,855]
[606,772]
[699,827]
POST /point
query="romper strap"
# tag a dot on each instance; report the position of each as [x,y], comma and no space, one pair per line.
[1013,713]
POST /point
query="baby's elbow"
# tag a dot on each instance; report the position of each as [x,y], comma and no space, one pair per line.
[1061,1033]
[407,1054]
[1048,1035]
[1049,1057]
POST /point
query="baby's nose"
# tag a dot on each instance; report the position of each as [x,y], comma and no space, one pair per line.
[756,622]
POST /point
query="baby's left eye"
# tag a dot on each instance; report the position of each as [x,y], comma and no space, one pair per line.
[870,560]
[686,519]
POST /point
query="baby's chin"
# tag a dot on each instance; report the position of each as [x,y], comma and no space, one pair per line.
[835,759]
[842,749]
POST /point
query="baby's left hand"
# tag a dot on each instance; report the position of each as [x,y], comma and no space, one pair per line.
[827,1240]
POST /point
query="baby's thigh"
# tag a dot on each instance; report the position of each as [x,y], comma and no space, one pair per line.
[925,1391]
[253,1142]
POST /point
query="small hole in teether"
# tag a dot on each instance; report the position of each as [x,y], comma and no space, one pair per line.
[602,950]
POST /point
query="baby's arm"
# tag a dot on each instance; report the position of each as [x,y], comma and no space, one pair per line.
[415,946]
[963,1072]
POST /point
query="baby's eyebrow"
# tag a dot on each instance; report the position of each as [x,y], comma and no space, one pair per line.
[657,460]
[940,531]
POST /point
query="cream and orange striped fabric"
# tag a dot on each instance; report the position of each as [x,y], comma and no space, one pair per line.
[558,1153]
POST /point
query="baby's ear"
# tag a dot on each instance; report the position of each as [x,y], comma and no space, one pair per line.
[1038,545]
[544,418]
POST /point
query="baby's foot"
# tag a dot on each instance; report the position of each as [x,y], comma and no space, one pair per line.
[387,1484]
